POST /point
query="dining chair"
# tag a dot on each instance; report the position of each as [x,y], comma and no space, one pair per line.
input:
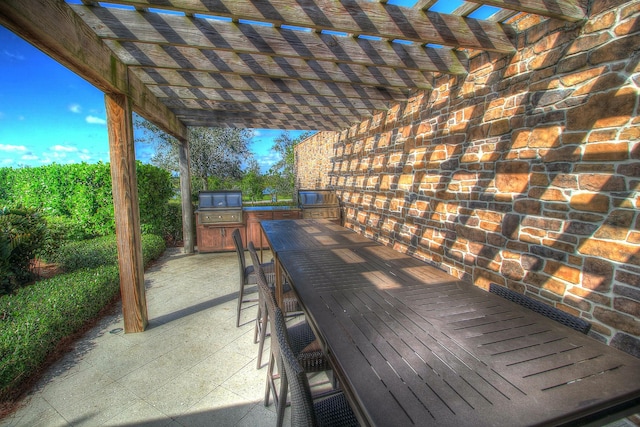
[290,302]
[546,310]
[304,346]
[247,274]
[330,410]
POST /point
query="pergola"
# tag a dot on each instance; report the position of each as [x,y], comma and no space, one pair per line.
[279,64]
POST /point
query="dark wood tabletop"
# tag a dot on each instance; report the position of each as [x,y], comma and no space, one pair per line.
[413,345]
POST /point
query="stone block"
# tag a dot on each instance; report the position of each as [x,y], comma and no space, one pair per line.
[512,270]
[611,250]
[626,305]
[627,343]
[590,202]
[616,320]
[512,177]
[608,109]
[563,272]
[606,152]
[527,206]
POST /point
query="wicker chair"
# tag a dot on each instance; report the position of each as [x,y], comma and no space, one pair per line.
[304,345]
[333,410]
[291,304]
[247,274]
[546,310]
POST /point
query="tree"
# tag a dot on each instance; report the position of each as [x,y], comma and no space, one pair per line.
[253,181]
[282,174]
[214,152]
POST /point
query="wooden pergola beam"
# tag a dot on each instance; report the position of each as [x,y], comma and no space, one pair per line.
[223,81]
[566,10]
[357,17]
[172,30]
[74,45]
[319,13]
[190,59]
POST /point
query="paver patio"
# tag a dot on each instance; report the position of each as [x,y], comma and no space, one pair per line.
[191,367]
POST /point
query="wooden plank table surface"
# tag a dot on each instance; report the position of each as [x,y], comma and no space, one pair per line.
[412,345]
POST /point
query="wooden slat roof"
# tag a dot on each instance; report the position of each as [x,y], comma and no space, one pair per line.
[285,64]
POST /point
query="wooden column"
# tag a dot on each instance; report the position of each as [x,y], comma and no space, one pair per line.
[185,194]
[127,212]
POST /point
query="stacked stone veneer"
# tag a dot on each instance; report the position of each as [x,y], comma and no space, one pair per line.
[525,172]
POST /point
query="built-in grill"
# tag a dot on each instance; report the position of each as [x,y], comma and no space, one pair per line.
[317,204]
[219,207]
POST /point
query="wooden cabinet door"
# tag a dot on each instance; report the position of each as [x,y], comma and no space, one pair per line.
[253,227]
[287,214]
[218,239]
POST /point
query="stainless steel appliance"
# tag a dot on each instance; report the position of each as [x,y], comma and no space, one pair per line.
[219,214]
[220,207]
[319,204]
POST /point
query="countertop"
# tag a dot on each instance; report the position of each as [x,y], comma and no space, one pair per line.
[270,208]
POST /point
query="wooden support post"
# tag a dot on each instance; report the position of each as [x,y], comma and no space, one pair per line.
[185,194]
[127,212]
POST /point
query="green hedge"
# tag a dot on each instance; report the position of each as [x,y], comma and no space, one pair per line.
[77,199]
[34,319]
[104,251]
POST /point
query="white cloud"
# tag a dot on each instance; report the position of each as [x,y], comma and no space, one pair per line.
[75,108]
[13,56]
[5,147]
[7,161]
[95,120]
[84,157]
[29,157]
[267,160]
[63,148]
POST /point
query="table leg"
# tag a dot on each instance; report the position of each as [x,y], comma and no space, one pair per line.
[278,283]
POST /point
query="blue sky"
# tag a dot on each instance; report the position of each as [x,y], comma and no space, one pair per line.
[49,114]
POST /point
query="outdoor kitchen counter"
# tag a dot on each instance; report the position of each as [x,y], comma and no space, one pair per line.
[216,236]
[254,214]
[270,208]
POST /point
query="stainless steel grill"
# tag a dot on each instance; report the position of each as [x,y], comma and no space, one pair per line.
[220,207]
[319,204]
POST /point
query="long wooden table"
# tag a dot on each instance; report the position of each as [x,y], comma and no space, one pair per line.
[412,345]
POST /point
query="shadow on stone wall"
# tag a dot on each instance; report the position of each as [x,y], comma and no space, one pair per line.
[523,179]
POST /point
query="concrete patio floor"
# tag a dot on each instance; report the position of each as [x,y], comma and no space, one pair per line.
[191,367]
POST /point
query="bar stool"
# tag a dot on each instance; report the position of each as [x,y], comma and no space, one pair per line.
[247,274]
[304,345]
[331,410]
[292,307]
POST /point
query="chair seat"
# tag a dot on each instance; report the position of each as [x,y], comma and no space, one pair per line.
[250,273]
[334,411]
[307,348]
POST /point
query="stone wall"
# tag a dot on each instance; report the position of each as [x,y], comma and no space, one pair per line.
[525,172]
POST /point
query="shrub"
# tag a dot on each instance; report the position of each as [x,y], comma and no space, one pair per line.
[173,222]
[22,233]
[77,198]
[37,317]
[104,251]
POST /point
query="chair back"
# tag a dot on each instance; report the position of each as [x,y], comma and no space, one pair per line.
[268,303]
[546,310]
[302,411]
[237,241]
